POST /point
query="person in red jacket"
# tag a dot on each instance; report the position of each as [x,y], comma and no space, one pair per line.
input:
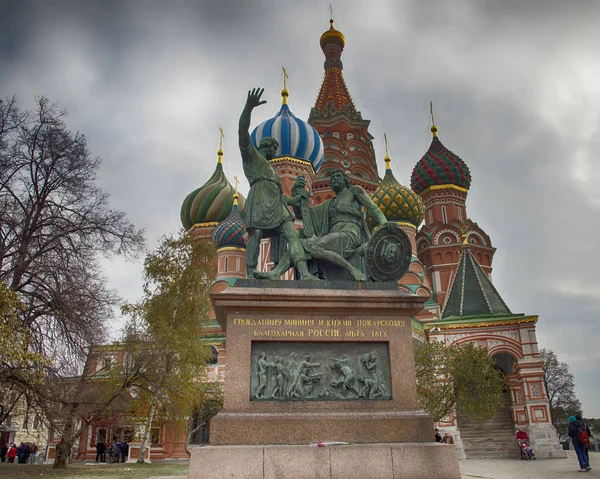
[522,436]
[12,452]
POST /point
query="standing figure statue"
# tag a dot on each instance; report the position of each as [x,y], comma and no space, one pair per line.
[281,375]
[262,366]
[267,212]
[340,228]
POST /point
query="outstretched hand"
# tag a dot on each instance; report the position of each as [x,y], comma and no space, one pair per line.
[253,99]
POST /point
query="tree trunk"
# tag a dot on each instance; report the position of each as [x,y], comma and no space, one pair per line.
[63,449]
[146,441]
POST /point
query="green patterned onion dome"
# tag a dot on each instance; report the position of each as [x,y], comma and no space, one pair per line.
[212,202]
[230,231]
[397,202]
[439,166]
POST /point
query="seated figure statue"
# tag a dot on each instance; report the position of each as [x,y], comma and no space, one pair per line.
[340,231]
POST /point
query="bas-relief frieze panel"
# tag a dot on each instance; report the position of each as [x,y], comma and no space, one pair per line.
[319,371]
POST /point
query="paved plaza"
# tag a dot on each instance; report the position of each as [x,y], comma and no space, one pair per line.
[517,469]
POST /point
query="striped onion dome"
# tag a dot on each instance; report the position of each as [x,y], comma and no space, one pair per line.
[439,166]
[296,138]
[397,202]
[230,231]
[212,202]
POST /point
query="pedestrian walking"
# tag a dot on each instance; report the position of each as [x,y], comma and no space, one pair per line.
[580,438]
[34,450]
[3,451]
[21,453]
[12,453]
[124,451]
[100,452]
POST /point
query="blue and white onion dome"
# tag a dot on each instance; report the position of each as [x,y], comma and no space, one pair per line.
[296,138]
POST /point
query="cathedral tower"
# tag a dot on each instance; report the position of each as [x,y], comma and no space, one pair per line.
[345,134]
[442,179]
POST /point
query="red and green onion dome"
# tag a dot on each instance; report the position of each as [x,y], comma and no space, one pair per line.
[212,202]
[230,231]
[439,166]
[397,202]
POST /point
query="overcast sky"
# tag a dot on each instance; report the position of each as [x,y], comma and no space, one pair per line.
[515,87]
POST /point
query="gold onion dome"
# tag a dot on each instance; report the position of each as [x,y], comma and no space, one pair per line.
[397,202]
[332,36]
[212,202]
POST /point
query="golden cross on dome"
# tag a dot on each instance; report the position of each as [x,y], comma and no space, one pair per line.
[387,156]
[285,77]
[386,145]
[284,92]
[236,183]
[330,11]
[433,127]
[220,152]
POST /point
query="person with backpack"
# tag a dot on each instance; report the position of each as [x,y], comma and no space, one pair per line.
[587,446]
[578,432]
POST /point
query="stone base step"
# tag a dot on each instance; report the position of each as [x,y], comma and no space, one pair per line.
[398,461]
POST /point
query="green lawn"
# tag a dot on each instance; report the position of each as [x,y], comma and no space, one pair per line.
[94,471]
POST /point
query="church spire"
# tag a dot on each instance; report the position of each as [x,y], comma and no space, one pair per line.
[347,141]
[334,96]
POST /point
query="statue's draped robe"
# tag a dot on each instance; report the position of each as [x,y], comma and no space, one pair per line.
[341,228]
[265,206]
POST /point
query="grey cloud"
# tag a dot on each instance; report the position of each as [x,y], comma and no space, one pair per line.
[512,85]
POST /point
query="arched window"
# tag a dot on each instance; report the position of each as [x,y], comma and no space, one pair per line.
[505,361]
[444,217]
[214,355]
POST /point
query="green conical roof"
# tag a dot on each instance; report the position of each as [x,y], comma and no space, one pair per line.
[472,293]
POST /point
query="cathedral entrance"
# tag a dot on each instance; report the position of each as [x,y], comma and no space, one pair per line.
[495,437]
[491,439]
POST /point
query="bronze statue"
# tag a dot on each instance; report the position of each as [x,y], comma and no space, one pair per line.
[340,228]
[267,213]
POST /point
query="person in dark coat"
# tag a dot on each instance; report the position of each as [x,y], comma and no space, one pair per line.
[3,451]
[574,427]
[21,453]
[100,452]
[124,451]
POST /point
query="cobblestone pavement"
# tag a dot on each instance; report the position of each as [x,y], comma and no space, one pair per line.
[517,469]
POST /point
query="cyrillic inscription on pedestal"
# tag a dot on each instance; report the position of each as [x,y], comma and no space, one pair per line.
[319,371]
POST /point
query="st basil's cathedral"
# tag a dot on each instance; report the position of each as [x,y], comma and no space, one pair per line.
[451,261]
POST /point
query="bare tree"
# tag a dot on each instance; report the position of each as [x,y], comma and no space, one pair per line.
[560,386]
[55,226]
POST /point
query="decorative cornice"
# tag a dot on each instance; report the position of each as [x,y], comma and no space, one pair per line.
[400,223]
[210,224]
[293,160]
[444,187]
[482,324]
[231,248]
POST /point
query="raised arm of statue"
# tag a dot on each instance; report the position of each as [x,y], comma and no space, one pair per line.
[252,102]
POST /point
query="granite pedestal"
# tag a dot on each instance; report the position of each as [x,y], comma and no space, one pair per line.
[258,434]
